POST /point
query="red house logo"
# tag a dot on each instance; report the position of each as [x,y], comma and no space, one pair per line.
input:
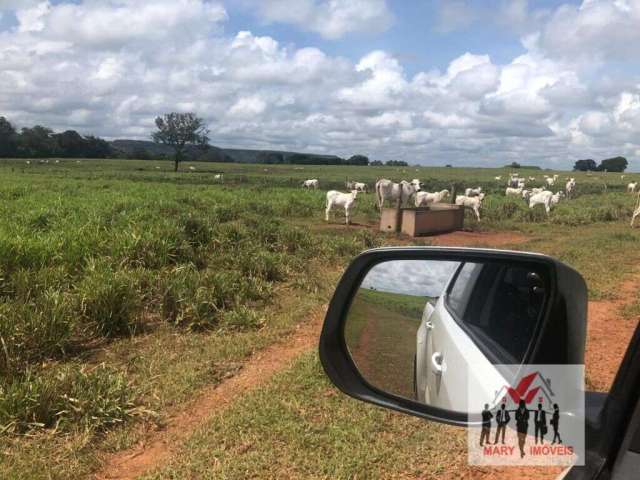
[528,388]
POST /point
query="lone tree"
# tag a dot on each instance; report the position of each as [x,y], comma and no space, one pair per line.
[179,130]
[585,165]
[615,164]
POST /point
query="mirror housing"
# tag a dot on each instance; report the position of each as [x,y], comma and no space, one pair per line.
[559,338]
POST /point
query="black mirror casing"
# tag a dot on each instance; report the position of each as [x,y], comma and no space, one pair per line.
[559,337]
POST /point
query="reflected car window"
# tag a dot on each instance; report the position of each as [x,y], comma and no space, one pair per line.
[460,293]
[503,308]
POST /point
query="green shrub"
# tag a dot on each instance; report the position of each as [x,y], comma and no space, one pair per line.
[34,330]
[66,398]
[241,319]
[110,300]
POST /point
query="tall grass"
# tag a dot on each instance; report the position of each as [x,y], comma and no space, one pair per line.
[87,258]
[94,251]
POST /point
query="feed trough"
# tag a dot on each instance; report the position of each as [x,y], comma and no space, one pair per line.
[436,218]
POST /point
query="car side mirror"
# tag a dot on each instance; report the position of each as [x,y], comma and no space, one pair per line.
[416,329]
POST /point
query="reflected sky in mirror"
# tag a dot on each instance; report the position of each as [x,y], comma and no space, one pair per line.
[425,278]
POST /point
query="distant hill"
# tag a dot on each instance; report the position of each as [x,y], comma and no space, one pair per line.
[142,149]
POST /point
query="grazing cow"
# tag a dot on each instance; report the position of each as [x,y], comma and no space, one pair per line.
[391,191]
[312,183]
[498,178]
[192,168]
[425,198]
[339,199]
[513,192]
[472,192]
[550,181]
[474,203]
[545,198]
[631,188]
[218,176]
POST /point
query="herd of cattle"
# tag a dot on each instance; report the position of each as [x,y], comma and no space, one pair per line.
[402,193]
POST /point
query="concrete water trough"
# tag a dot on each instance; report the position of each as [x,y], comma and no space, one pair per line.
[419,221]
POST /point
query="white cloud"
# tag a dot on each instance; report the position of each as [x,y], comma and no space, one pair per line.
[62,67]
[330,18]
[248,107]
[596,30]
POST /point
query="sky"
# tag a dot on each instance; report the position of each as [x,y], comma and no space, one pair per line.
[423,278]
[432,82]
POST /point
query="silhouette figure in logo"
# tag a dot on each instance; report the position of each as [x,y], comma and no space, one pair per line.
[555,423]
[502,418]
[486,425]
[522,425]
[540,422]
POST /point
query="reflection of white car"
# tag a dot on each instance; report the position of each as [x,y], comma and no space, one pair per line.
[485,316]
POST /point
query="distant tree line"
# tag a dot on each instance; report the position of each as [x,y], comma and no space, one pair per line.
[390,163]
[192,145]
[615,164]
[42,142]
[283,158]
[524,167]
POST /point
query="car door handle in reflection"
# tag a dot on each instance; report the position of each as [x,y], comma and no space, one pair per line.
[436,363]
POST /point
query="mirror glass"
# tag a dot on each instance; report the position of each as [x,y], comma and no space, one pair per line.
[433,331]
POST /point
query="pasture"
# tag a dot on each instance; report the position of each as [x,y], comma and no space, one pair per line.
[125,288]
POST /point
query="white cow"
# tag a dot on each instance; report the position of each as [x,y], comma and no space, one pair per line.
[425,198]
[391,191]
[631,188]
[570,186]
[514,181]
[472,192]
[555,198]
[474,203]
[513,192]
[312,183]
[360,186]
[192,168]
[339,199]
[545,198]
[498,178]
[550,181]
[218,176]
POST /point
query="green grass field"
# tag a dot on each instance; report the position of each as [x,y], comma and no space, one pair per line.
[380,332]
[125,288]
